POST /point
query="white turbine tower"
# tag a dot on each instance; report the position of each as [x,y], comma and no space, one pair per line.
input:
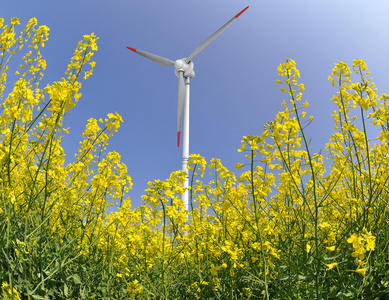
[184,71]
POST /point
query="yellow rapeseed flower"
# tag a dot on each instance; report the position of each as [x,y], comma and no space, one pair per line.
[331,266]
[239,166]
[361,271]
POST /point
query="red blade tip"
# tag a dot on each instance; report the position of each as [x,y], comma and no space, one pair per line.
[132,49]
[178,138]
[237,16]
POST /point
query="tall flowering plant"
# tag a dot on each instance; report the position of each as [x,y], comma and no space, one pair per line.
[51,214]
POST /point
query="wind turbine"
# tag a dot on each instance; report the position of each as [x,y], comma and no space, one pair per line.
[184,70]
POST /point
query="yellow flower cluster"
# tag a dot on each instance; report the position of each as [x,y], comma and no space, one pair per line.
[362,244]
[9,293]
[39,193]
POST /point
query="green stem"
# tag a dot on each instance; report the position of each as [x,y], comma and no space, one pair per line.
[316,211]
[259,233]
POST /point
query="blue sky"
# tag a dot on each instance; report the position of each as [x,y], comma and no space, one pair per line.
[234,91]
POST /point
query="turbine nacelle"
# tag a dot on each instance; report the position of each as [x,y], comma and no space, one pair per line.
[181,65]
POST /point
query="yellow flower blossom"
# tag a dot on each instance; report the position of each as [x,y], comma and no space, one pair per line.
[331,266]
[361,271]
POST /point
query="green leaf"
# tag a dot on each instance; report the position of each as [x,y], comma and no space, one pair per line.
[76,278]
[325,257]
[65,290]
[285,278]
[346,294]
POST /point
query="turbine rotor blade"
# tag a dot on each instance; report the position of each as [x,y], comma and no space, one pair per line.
[180,106]
[213,36]
[155,58]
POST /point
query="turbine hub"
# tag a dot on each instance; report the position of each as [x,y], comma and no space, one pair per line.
[181,65]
